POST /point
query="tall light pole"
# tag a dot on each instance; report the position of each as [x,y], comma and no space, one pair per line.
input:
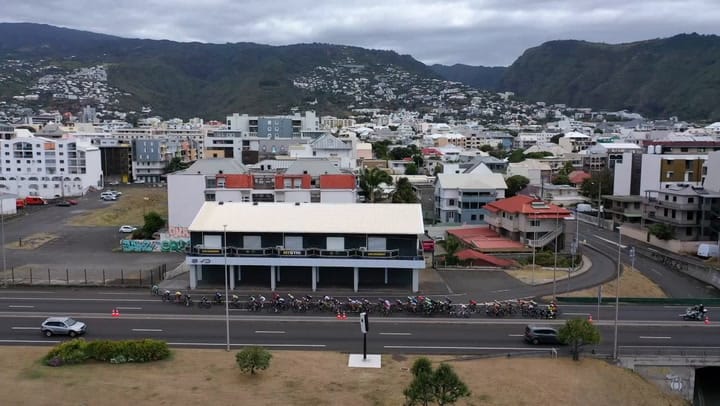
[227,309]
[599,203]
[2,233]
[557,226]
[617,295]
[533,254]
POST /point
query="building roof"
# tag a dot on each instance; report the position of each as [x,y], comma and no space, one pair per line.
[471,181]
[577,177]
[554,149]
[475,255]
[310,218]
[327,141]
[521,204]
[213,166]
[313,167]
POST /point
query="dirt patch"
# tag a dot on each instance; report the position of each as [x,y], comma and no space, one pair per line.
[632,284]
[128,209]
[539,276]
[313,378]
[31,242]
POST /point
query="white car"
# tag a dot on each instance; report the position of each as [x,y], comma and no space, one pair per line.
[127,229]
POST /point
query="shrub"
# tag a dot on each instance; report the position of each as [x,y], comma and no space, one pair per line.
[115,352]
[252,358]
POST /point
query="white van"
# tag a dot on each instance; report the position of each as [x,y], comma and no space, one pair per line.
[707,250]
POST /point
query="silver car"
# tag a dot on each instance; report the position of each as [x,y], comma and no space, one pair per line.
[62,326]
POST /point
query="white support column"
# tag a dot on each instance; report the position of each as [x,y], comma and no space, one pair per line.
[239,269]
[278,273]
[386,276]
[272,278]
[314,278]
[193,276]
[356,279]
[231,277]
[415,280]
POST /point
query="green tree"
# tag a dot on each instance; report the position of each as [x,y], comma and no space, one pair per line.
[404,192]
[175,164]
[153,223]
[370,181]
[578,332]
[418,159]
[517,155]
[438,169]
[253,358]
[662,231]
[441,387]
[602,180]
[486,148]
[447,385]
[380,149]
[515,184]
[411,169]
[452,246]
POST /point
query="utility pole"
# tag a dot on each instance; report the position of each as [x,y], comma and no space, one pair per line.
[617,295]
[599,203]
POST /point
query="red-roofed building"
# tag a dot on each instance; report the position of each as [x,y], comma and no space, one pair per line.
[476,258]
[578,177]
[528,220]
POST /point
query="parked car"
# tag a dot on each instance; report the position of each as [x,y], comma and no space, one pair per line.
[63,203]
[541,335]
[62,326]
[115,192]
[127,229]
[108,198]
[72,202]
[34,201]
[19,203]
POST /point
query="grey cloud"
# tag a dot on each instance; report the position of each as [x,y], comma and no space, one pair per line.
[487,32]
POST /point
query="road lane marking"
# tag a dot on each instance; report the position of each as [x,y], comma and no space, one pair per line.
[500,291]
[610,242]
[516,335]
[656,271]
[129,308]
[31,341]
[21,306]
[655,337]
[252,345]
[420,347]
[269,332]
[395,334]
[26,328]
[576,314]
[143,330]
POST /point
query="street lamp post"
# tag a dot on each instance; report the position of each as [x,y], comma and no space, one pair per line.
[599,203]
[631,254]
[617,295]
[227,309]
[2,233]
[557,225]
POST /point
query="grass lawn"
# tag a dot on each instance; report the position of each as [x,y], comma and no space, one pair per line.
[211,377]
[128,209]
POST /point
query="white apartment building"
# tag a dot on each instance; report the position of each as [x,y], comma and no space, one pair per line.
[575,142]
[48,168]
[527,140]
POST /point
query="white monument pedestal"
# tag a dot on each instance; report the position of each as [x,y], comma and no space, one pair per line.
[357,361]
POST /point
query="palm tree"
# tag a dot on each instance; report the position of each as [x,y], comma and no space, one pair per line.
[370,180]
[404,192]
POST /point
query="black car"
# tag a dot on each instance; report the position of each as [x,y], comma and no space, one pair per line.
[541,335]
[63,203]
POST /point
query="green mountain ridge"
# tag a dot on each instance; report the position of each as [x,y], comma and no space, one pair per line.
[665,77]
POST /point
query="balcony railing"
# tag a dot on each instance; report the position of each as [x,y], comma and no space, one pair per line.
[545,239]
[200,250]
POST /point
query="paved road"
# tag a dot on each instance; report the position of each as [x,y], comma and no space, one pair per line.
[674,283]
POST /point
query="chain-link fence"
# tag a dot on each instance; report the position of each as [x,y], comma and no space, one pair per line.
[121,277]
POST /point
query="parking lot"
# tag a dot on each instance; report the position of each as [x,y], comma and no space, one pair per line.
[44,237]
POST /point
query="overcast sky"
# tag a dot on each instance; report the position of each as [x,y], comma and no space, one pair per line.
[475,32]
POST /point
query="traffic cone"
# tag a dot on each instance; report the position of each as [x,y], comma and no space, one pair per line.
[707,320]
[590,318]
[115,313]
[344,316]
[339,316]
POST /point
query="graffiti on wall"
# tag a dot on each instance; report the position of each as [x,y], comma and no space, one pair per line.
[163,245]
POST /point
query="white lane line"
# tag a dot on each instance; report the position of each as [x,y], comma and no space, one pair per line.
[610,242]
[129,308]
[21,306]
[143,330]
[26,328]
[252,344]
[516,335]
[656,271]
[269,332]
[395,334]
[500,291]
[655,337]
[420,347]
[576,314]
[31,341]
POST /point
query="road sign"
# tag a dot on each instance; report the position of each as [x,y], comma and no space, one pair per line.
[364,325]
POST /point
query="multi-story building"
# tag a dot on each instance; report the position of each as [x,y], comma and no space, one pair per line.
[150,157]
[528,220]
[274,126]
[303,181]
[279,245]
[49,168]
[692,211]
[461,198]
[575,142]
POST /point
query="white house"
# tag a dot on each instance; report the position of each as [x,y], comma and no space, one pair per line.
[461,197]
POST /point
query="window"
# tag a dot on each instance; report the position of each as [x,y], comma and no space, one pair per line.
[691,200]
[534,223]
[669,174]
[688,231]
[674,198]
[667,197]
[451,202]
[691,215]
[473,217]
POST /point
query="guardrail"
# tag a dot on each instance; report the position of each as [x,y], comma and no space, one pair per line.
[700,352]
[642,300]
[300,253]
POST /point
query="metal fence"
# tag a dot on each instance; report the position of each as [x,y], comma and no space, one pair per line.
[120,277]
[690,352]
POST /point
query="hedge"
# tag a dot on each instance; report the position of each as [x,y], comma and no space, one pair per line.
[78,350]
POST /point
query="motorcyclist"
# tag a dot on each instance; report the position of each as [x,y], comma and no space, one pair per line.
[204,300]
[218,297]
[178,296]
